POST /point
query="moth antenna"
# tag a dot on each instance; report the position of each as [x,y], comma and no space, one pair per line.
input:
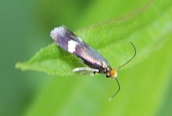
[121,67]
[131,57]
[119,87]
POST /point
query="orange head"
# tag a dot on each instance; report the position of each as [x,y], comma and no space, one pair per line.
[112,73]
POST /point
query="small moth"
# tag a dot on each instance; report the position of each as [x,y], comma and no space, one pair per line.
[68,41]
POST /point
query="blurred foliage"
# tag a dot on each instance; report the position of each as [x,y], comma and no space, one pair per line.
[25,27]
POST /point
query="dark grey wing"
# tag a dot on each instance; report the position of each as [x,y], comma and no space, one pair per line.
[71,43]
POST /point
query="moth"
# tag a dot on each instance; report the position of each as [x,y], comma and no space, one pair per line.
[96,63]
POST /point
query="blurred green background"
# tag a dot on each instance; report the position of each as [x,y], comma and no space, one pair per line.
[25,28]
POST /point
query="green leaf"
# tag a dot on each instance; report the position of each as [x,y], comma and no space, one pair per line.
[143,27]
[143,86]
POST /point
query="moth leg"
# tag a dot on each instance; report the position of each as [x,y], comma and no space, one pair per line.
[91,71]
[85,69]
[82,70]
